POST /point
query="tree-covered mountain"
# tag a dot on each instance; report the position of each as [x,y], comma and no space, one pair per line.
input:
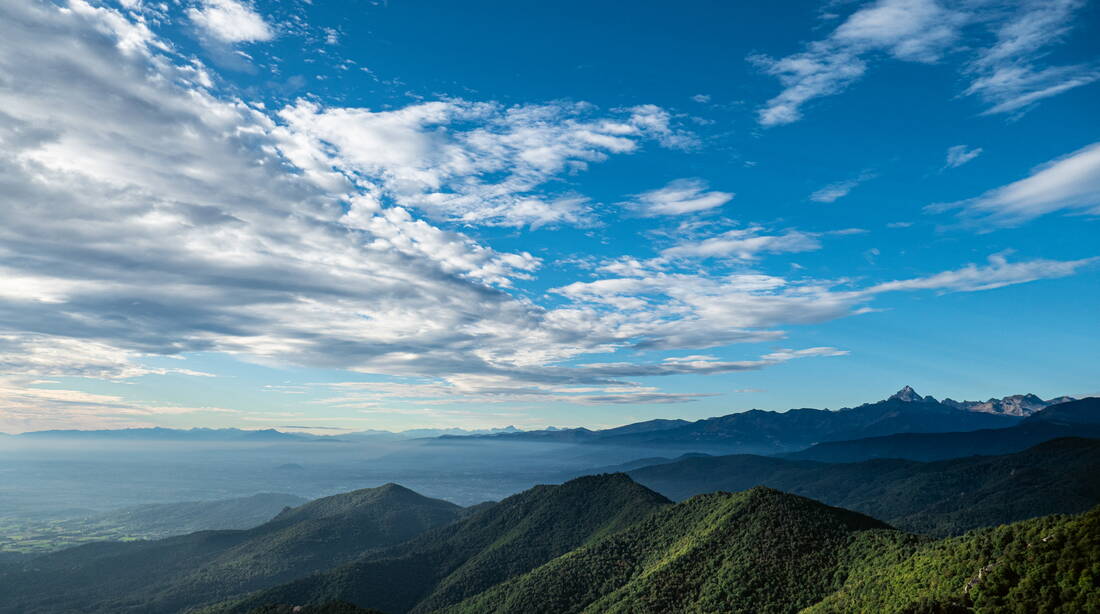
[767,432]
[170,574]
[595,544]
[1079,418]
[755,551]
[938,498]
[1049,564]
[444,566]
[762,551]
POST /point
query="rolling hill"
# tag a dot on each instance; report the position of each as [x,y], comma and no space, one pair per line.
[937,498]
[595,544]
[762,551]
[444,566]
[756,551]
[169,574]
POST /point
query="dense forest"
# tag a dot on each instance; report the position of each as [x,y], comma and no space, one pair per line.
[764,551]
[937,498]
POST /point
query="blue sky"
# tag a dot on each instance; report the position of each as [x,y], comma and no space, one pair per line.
[350,215]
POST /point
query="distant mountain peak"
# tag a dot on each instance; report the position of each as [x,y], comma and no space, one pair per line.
[1020,405]
[908,395]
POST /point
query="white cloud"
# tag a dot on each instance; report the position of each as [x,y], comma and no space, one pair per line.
[701,98]
[489,173]
[28,405]
[909,30]
[1008,75]
[835,191]
[745,244]
[705,365]
[681,310]
[178,221]
[997,274]
[678,197]
[959,155]
[231,21]
[1070,183]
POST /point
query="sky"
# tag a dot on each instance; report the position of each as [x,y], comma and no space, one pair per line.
[355,215]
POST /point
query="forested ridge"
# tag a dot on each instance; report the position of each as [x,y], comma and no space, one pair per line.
[937,498]
[600,543]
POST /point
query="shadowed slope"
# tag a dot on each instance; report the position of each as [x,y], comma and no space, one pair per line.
[449,564]
[169,574]
[940,498]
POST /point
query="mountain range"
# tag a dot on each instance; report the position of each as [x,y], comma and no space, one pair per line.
[759,550]
[937,498]
[904,516]
[1079,418]
[596,543]
[1022,405]
[769,432]
[756,431]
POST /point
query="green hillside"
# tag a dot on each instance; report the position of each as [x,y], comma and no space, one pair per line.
[449,564]
[170,574]
[757,551]
[938,498]
[762,551]
[595,544]
[1049,565]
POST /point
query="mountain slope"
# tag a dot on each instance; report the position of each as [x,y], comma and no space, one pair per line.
[1073,419]
[756,551]
[1080,412]
[938,498]
[451,563]
[1049,564]
[169,574]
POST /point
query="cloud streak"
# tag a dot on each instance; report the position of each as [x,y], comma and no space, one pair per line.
[678,197]
[835,191]
[1009,75]
[959,155]
[1068,184]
